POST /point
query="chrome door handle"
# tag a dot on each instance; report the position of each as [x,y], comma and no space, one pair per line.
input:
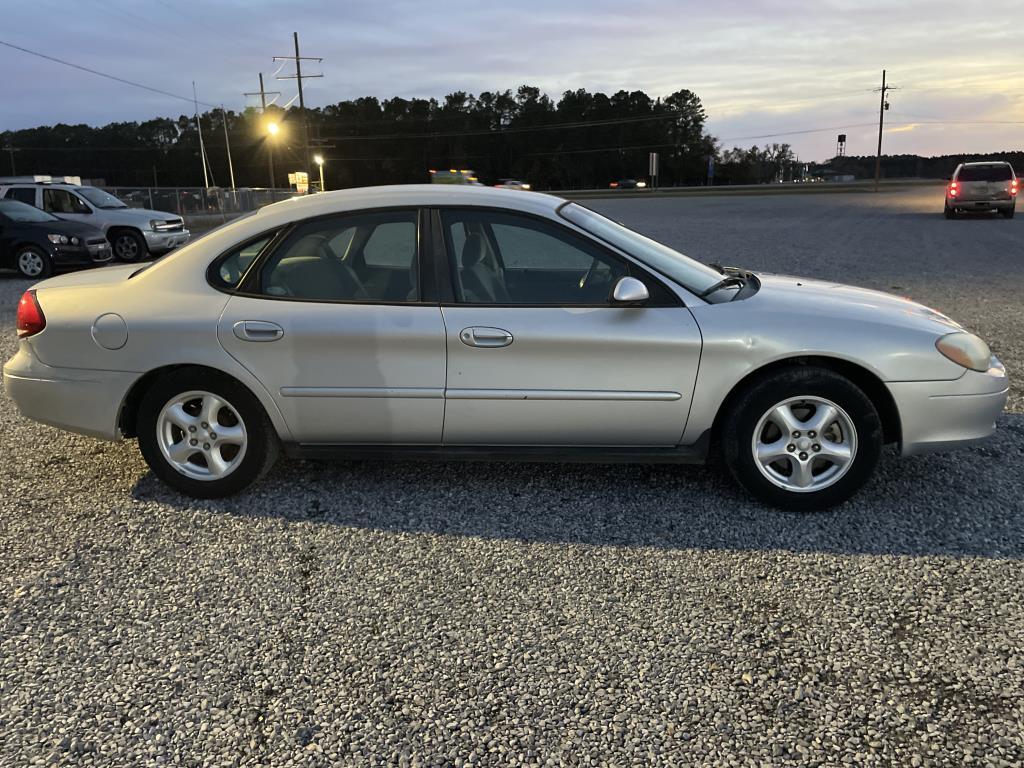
[485,337]
[257,330]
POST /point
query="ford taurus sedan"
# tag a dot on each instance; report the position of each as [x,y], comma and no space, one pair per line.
[481,323]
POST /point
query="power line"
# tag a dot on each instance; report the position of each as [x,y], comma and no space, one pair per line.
[103,74]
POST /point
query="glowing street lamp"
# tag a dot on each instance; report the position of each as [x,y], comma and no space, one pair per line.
[319,160]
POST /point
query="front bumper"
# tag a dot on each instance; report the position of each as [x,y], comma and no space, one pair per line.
[83,401]
[161,242]
[942,415]
[81,255]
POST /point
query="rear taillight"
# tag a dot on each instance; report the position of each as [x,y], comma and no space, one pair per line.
[30,315]
[1013,186]
[953,188]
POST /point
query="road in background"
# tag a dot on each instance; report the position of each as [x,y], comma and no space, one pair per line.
[405,613]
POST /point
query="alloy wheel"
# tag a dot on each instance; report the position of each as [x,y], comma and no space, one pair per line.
[201,435]
[126,248]
[804,444]
[30,264]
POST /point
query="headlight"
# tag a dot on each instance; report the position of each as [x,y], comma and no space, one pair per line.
[965,349]
[154,224]
[74,241]
[641,184]
[58,239]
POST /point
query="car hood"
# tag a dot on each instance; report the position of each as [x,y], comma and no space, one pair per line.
[138,216]
[835,300]
[62,227]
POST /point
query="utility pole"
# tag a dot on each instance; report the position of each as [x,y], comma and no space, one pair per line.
[299,77]
[12,150]
[882,107]
[227,144]
[270,139]
[199,127]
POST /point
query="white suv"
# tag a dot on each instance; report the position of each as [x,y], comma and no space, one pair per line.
[134,233]
[982,187]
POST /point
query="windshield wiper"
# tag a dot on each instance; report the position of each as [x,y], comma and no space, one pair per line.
[724,283]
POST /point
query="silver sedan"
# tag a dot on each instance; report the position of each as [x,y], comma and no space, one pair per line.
[480,323]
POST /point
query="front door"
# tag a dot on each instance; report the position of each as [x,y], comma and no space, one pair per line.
[537,354]
[332,323]
[66,205]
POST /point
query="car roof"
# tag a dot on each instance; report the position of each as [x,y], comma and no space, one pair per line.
[985,162]
[401,195]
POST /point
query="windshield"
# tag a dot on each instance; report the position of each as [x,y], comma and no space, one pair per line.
[999,172]
[99,198]
[23,212]
[690,274]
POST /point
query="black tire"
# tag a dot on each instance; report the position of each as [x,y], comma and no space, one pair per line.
[1008,213]
[748,408]
[262,444]
[949,213]
[128,245]
[33,262]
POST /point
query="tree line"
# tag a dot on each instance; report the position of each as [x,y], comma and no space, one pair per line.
[580,140]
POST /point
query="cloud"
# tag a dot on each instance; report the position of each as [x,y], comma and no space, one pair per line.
[759,66]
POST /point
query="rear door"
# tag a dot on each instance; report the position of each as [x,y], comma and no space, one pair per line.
[333,323]
[537,355]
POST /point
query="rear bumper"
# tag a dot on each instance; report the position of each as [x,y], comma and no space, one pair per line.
[944,415]
[78,400]
[980,205]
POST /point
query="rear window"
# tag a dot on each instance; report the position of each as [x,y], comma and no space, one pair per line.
[24,194]
[1000,172]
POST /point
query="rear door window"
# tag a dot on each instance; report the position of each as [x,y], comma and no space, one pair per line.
[22,194]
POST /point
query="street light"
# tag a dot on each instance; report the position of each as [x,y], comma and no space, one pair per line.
[319,160]
[272,131]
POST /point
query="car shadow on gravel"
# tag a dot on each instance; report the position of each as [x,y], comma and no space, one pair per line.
[958,504]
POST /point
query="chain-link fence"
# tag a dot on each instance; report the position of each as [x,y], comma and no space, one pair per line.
[199,201]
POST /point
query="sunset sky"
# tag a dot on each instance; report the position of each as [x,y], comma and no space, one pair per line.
[760,67]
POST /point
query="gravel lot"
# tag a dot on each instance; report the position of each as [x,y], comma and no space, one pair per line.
[421,614]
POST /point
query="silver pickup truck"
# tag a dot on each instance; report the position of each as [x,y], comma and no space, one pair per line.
[134,233]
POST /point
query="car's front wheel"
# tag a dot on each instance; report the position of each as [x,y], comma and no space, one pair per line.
[33,262]
[205,434]
[128,245]
[803,438]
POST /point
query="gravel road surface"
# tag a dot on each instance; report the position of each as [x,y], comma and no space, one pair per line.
[429,614]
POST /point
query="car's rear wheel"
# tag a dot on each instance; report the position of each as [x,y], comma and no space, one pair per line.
[128,245]
[949,213]
[33,263]
[205,434]
[1008,212]
[803,438]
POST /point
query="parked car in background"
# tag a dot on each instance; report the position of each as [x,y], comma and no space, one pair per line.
[37,243]
[134,233]
[431,320]
[627,184]
[512,184]
[455,176]
[982,187]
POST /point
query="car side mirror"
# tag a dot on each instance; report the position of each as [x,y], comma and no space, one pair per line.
[629,290]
